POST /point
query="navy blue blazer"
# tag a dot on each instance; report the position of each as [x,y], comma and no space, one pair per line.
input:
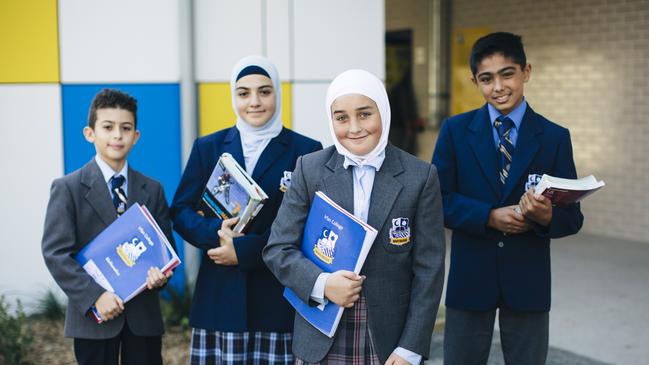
[245,297]
[487,267]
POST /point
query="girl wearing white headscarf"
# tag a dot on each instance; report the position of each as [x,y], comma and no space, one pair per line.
[392,304]
[238,313]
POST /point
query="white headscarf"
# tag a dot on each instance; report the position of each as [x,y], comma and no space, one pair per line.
[255,139]
[363,83]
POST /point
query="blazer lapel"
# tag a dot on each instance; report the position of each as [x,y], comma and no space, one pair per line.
[339,185]
[97,194]
[232,145]
[385,190]
[526,146]
[481,141]
[136,189]
[275,149]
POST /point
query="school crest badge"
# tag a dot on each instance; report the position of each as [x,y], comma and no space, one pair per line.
[285,181]
[532,181]
[400,231]
[325,248]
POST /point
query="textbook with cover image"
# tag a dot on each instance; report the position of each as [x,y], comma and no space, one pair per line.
[333,239]
[567,191]
[231,192]
[119,258]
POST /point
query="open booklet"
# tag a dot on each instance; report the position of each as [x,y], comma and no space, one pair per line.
[120,256]
[333,239]
[231,192]
[567,191]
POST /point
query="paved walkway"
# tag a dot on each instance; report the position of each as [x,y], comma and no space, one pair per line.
[600,305]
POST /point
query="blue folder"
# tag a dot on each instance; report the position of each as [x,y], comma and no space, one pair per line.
[333,239]
[120,256]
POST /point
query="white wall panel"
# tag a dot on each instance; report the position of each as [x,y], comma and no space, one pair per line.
[32,158]
[309,113]
[277,33]
[335,35]
[119,40]
[225,31]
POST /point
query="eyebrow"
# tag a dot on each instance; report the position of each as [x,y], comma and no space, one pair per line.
[114,122]
[248,88]
[508,68]
[357,109]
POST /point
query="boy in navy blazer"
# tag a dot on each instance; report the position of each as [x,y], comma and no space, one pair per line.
[81,205]
[500,253]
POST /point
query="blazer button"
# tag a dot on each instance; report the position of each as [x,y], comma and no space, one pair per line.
[501,244]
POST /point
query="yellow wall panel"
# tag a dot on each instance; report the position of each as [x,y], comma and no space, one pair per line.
[215,107]
[465,95]
[29,41]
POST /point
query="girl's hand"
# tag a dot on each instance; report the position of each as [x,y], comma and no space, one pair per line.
[225,254]
[344,288]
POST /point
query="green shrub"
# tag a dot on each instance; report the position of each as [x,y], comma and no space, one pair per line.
[175,311]
[49,307]
[15,335]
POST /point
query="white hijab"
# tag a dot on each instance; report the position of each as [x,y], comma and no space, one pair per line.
[255,139]
[363,83]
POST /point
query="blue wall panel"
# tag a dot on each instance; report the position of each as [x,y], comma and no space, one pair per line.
[158,152]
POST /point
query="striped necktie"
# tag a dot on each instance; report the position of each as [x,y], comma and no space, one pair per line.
[119,196]
[504,126]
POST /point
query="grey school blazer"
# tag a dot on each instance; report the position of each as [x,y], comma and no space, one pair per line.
[404,282]
[80,208]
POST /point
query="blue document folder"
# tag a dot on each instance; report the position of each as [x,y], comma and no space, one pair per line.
[120,256]
[333,239]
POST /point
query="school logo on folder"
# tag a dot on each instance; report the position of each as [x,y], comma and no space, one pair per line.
[129,252]
[324,248]
[400,231]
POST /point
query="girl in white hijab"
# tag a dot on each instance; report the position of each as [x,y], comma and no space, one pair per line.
[392,304]
[238,314]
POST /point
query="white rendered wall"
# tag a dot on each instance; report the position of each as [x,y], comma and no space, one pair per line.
[32,158]
[119,41]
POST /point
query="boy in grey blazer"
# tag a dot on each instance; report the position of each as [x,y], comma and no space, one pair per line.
[392,305]
[81,205]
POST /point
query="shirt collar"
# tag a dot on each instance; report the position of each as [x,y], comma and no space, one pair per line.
[516,115]
[108,171]
[375,162]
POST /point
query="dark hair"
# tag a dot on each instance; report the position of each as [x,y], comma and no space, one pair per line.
[112,98]
[508,44]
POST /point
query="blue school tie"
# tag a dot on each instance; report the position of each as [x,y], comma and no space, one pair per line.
[504,126]
[119,196]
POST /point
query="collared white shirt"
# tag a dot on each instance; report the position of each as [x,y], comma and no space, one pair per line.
[108,174]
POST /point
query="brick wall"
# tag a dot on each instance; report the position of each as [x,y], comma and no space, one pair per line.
[590,73]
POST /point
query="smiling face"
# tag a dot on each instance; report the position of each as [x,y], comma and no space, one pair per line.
[501,81]
[356,123]
[255,99]
[113,135]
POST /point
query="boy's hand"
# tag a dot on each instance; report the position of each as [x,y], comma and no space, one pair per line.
[395,359]
[344,288]
[156,279]
[507,220]
[538,209]
[109,306]
[225,254]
